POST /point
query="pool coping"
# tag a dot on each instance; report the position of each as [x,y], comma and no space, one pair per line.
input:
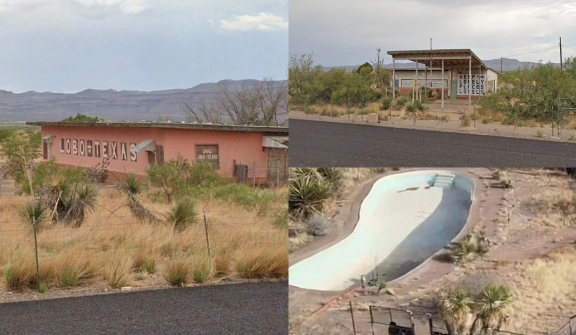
[351,211]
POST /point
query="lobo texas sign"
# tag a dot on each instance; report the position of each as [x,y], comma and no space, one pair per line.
[104,149]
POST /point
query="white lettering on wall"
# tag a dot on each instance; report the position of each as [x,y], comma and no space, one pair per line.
[133,155]
[123,151]
[96,148]
[114,150]
[75,147]
[105,149]
[68,146]
[81,148]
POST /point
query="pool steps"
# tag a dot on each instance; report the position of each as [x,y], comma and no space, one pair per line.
[444,180]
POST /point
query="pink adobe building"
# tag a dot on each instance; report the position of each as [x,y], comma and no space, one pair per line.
[253,153]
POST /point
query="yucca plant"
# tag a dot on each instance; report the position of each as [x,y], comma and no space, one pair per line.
[33,210]
[132,186]
[492,303]
[83,200]
[332,175]
[183,214]
[307,195]
[456,308]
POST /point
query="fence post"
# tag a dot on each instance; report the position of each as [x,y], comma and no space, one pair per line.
[206,230]
[277,173]
[352,315]
[371,320]
[254,173]
[35,224]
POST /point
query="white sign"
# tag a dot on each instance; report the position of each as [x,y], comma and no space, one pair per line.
[436,83]
[478,84]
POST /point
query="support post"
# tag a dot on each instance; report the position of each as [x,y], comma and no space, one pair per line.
[254,174]
[442,85]
[394,79]
[277,173]
[416,82]
[470,81]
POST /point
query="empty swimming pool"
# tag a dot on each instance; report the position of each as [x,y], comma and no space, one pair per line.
[404,219]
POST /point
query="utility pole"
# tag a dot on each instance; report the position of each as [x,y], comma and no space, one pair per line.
[501,65]
[560,53]
[378,56]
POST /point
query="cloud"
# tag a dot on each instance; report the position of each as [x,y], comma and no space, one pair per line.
[100,8]
[262,21]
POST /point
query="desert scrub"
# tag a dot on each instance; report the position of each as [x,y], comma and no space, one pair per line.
[201,270]
[386,103]
[539,133]
[117,271]
[251,198]
[183,214]
[307,193]
[263,264]
[317,225]
[474,245]
[465,121]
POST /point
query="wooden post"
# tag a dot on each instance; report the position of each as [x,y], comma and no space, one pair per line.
[442,84]
[35,224]
[394,79]
[254,174]
[352,315]
[470,81]
[207,240]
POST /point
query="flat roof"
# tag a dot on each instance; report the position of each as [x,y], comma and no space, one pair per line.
[452,57]
[197,126]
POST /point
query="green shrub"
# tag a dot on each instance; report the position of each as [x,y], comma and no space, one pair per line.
[386,103]
[539,133]
[69,277]
[201,270]
[307,194]
[183,214]
[465,121]
[400,102]
[317,225]
[250,198]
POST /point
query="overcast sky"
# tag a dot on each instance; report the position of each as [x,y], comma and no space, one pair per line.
[349,32]
[72,45]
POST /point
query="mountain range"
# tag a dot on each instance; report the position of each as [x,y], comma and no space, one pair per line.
[508,64]
[111,104]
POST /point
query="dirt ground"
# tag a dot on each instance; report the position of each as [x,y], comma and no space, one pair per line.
[493,129]
[533,253]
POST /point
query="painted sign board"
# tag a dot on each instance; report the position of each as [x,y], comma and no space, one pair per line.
[478,84]
[209,153]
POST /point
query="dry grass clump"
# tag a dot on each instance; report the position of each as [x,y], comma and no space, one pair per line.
[177,272]
[545,286]
[263,264]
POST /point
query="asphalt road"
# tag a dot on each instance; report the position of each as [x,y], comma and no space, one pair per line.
[317,143]
[255,308]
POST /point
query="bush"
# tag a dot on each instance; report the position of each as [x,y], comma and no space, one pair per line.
[400,102]
[465,121]
[386,103]
[539,133]
[332,175]
[222,265]
[475,244]
[19,275]
[249,197]
[317,225]
[117,271]
[263,265]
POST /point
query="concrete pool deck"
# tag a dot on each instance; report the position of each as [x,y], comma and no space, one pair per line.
[414,242]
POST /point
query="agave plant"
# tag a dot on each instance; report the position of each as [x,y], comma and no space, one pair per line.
[307,194]
[33,211]
[456,308]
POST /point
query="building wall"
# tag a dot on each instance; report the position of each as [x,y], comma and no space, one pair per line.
[244,147]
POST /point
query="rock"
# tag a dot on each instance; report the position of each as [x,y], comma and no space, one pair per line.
[390,292]
[126,288]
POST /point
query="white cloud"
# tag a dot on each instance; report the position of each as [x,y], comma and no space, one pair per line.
[124,6]
[262,21]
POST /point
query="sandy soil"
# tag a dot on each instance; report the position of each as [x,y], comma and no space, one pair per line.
[531,241]
[493,129]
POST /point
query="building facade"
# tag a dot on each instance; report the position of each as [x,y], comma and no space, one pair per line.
[243,153]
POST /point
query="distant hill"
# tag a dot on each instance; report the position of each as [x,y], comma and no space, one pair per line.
[110,104]
[507,65]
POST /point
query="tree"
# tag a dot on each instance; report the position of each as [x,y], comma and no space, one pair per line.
[264,104]
[83,119]
[20,151]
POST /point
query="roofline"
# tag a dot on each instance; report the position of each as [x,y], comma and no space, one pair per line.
[437,51]
[240,128]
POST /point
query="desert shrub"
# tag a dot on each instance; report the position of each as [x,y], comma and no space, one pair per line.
[539,133]
[400,102]
[249,197]
[69,277]
[317,225]
[386,103]
[144,261]
[177,272]
[465,121]
[410,107]
[474,245]
[419,106]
